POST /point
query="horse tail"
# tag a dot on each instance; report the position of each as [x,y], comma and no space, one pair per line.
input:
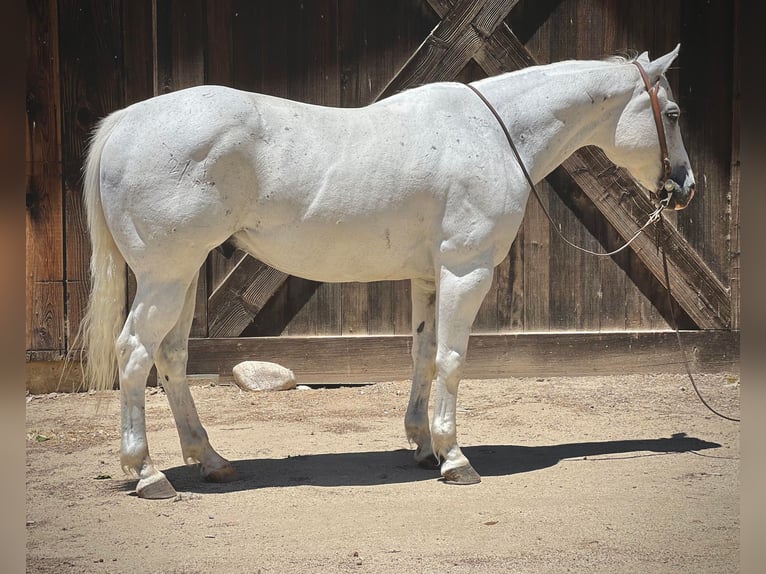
[105,312]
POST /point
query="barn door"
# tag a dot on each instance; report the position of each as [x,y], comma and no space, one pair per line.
[601,194]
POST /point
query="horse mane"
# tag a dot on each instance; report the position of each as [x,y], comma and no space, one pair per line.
[626,57]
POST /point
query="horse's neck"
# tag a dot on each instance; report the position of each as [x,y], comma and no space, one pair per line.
[551,111]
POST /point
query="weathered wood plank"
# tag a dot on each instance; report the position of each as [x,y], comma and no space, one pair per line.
[241,296]
[138,50]
[454,41]
[44,375]
[76,300]
[706,125]
[180,44]
[534,236]
[260,65]
[350,360]
[734,226]
[44,252]
[402,308]
[510,289]
[327,307]
[369,55]
[354,312]
[365,60]
[139,69]
[314,78]
[385,358]
[219,54]
[626,302]
[44,317]
[45,307]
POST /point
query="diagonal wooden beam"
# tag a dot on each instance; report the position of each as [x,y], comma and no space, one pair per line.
[241,296]
[694,285]
[462,32]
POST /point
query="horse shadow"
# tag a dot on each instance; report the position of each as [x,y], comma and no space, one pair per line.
[395,467]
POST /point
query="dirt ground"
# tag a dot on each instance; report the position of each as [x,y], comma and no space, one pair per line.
[598,475]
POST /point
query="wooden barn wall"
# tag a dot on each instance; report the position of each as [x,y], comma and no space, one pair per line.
[87,58]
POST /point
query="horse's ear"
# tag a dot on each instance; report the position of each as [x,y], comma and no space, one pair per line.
[658,67]
[644,59]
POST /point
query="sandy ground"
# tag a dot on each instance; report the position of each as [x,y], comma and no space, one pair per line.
[597,475]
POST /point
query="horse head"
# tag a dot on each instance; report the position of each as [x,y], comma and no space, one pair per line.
[647,139]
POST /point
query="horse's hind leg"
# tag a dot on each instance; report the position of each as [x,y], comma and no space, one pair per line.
[423,359]
[460,294]
[156,309]
[171,371]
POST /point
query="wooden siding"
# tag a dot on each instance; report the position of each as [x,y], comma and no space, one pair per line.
[89,57]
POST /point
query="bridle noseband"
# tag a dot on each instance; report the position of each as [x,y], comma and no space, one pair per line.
[657,112]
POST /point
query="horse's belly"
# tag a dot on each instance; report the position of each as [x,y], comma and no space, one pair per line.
[339,252]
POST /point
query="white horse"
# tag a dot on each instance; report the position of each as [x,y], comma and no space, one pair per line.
[419,186]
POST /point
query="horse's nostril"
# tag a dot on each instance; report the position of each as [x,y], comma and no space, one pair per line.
[688,199]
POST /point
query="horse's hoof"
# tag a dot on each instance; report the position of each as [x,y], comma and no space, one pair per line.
[155,486]
[429,463]
[461,475]
[226,473]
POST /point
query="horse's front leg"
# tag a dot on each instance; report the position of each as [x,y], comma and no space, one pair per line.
[423,359]
[460,294]
[171,371]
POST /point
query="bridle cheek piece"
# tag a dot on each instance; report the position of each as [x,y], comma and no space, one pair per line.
[666,185]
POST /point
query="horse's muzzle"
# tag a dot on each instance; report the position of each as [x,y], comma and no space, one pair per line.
[673,196]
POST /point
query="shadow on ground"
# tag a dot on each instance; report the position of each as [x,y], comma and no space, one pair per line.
[393,467]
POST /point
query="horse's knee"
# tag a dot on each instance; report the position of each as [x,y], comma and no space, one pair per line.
[449,366]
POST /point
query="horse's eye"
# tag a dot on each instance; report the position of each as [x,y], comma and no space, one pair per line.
[672,115]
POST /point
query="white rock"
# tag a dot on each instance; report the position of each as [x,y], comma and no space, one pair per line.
[263,376]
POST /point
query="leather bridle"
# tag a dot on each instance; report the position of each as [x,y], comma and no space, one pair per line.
[657,112]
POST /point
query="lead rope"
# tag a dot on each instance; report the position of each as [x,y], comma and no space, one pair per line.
[678,334]
[655,216]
